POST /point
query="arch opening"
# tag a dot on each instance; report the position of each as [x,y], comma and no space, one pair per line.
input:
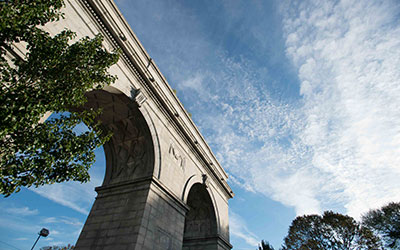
[200,231]
[130,152]
[130,162]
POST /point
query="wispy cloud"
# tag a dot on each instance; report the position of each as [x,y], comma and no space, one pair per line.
[63,229]
[239,229]
[64,220]
[335,147]
[75,195]
[346,53]
[19,225]
[22,239]
[19,211]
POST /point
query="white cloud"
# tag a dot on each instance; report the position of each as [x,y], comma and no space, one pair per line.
[50,220]
[62,228]
[20,211]
[239,229]
[52,242]
[18,225]
[22,239]
[77,196]
[338,147]
[55,232]
[194,83]
[256,137]
[346,54]
[64,220]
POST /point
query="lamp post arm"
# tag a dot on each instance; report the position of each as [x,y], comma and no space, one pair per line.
[35,242]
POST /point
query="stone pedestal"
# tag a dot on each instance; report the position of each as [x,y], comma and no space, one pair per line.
[134,215]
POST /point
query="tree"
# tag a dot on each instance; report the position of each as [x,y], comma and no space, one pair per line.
[332,231]
[53,75]
[68,247]
[265,246]
[385,222]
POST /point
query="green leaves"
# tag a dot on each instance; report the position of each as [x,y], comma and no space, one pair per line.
[385,222]
[18,17]
[332,231]
[335,231]
[265,246]
[53,76]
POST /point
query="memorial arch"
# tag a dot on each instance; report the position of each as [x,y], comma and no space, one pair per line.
[163,187]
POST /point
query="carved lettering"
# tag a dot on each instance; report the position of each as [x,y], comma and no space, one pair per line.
[177,156]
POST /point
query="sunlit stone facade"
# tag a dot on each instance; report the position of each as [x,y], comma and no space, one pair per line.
[163,187]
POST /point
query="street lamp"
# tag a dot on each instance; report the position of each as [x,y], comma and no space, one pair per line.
[44,232]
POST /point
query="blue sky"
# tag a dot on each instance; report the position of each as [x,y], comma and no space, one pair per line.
[299,100]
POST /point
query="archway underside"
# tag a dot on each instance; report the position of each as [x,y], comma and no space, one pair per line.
[200,223]
[116,218]
[130,151]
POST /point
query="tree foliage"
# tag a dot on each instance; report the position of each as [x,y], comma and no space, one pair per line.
[385,222]
[68,247]
[330,231]
[52,76]
[265,246]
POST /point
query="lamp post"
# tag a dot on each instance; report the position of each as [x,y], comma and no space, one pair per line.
[44,232]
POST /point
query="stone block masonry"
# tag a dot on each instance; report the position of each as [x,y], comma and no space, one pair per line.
[163,187]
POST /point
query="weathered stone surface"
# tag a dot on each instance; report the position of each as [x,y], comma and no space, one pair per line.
[163,187]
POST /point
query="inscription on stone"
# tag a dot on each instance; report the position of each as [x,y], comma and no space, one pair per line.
[177,156]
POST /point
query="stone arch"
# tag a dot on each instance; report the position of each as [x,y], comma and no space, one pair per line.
[201,224]
[135,208]
[155,140]
[192,180]
[130,153]
[189,183]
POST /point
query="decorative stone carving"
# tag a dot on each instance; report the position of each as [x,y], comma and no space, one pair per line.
[130,148]
[140,98]
[177,155]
